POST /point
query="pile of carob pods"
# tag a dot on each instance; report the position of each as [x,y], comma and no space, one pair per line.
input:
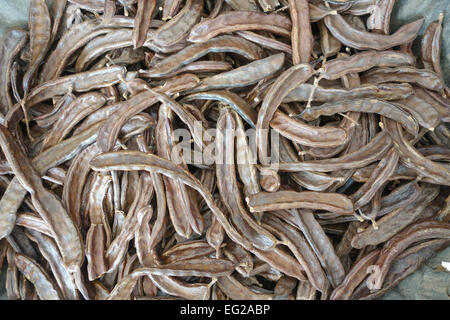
[211,149]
